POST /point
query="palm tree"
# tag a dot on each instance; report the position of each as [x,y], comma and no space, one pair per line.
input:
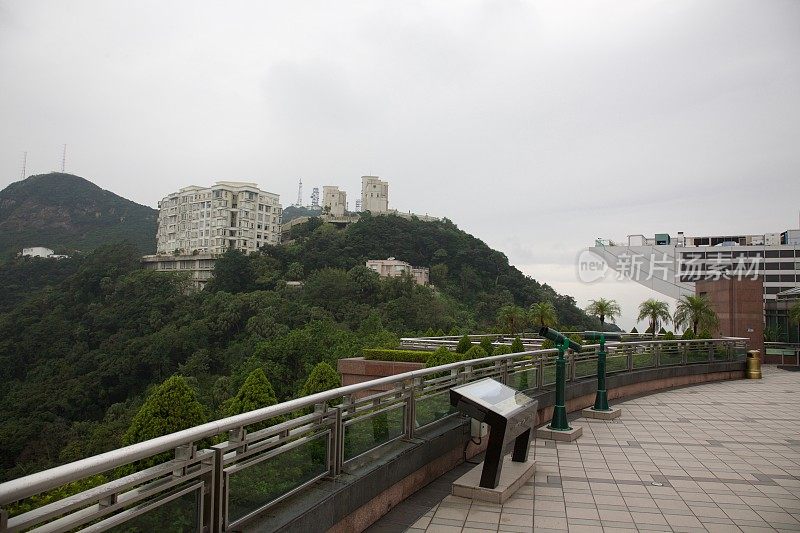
[656,311]
[697,311]
[512,318]
[543,313]
[603,308]
[794,313]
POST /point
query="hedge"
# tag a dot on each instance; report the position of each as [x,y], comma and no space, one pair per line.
[401,356]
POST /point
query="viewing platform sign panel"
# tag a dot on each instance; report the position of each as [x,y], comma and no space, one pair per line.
[509,413]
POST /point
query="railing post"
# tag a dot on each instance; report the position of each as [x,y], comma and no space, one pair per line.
[3,519]
[656,353]
[601,397]
[236,436]
[571,376]
[214,491]
[629,359]
[684,353]
[410,408]
[540,372]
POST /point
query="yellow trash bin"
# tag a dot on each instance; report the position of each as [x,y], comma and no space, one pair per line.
[753,370]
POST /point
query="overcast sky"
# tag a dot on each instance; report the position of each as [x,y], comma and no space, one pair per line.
[536,126]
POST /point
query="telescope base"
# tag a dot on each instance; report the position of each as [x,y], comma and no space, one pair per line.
[612,413]
[560,435]
[514,475]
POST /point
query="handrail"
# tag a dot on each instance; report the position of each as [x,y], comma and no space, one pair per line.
[24,487]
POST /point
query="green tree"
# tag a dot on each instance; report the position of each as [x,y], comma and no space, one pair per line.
[256,392]
[517,346]
[688,335]
[442,356]
[294,272]
[695,311]
[543,314]
[171,407]
[323,377]
[794,313]
[503,349]
[464,344]
[476,352]
[511,318]
[233,272]
[656,312]
[486,344]
[603,309]
[634,330]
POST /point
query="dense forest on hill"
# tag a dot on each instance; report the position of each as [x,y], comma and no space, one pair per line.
[80,350]
[68,213]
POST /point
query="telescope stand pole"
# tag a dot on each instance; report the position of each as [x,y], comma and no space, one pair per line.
[601,399]
[559,422]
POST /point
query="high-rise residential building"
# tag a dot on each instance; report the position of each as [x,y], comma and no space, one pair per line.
[374,194]
[334,201]
[211,220]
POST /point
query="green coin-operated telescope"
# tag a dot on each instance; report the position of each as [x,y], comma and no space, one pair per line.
[601,398]
[559,339]
[600,335]
[563,343]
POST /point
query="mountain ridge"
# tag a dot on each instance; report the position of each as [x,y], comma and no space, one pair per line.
[69,213]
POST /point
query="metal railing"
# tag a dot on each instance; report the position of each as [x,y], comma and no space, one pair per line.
[784,350]
[217,476]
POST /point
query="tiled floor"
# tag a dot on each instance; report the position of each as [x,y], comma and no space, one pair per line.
[717,457]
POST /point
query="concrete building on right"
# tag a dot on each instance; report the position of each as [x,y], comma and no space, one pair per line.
[678,265]
[374,195]
[334,201]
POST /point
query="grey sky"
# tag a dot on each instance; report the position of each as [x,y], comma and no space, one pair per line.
[536,126]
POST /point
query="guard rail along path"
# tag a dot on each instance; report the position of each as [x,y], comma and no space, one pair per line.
[220,475]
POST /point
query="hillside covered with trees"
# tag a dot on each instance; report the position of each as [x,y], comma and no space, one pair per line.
[68,213]
[80,352]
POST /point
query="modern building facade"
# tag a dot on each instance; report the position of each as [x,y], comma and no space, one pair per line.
[334,201]
[672,265]
[739,305]
[213,219]
[391,267]
[374,194]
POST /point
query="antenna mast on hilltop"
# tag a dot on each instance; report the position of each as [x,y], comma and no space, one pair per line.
[24,165]
[315,197]
[64,158]
[299,202]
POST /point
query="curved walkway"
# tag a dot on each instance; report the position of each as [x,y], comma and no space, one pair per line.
[715,457]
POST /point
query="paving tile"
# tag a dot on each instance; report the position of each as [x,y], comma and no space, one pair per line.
[678,460]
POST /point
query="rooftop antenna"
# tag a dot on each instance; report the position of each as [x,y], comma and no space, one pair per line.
[63,158]
[299,202]
[24,165]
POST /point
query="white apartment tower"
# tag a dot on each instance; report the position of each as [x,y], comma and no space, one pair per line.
[334,201]
[374,194]
[210,220]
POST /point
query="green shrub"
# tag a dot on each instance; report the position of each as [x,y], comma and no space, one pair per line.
[662,331]
[502,349]
[476,352]
[516,346]
[442,356]
[669,336]
[486,344]
[401,356]
[547,344]
[704,334]
[634,330]
[576,337]
[464,344]
[688,335]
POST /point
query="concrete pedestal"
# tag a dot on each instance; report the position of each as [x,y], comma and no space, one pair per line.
[611,414]
[564,436]
[513,476]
